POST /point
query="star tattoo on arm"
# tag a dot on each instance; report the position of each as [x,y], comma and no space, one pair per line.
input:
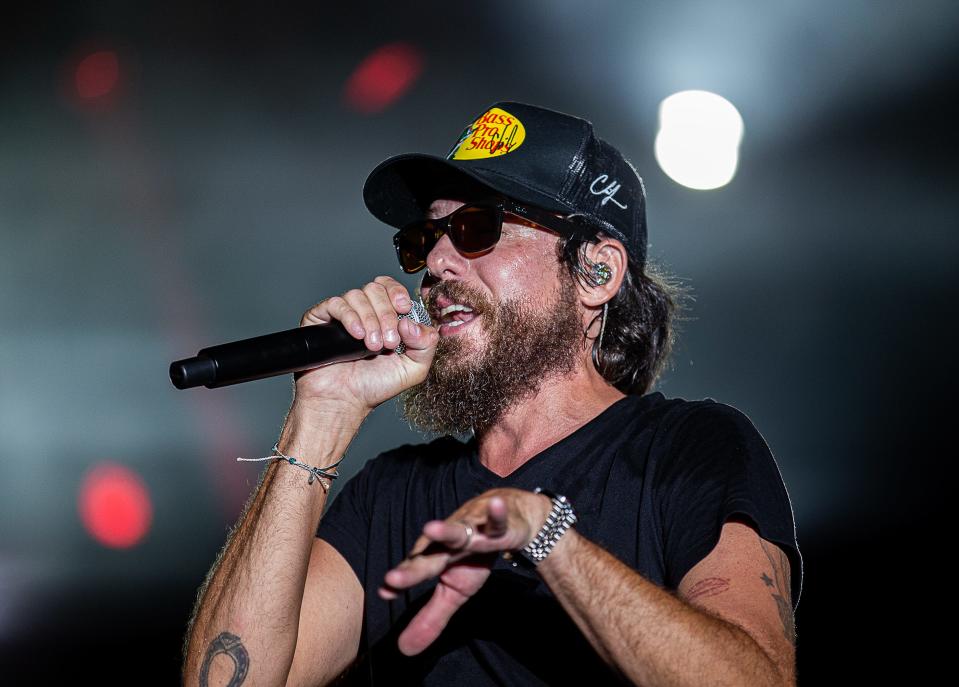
[780,587]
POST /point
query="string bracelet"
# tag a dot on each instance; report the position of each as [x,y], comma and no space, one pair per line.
[324,475]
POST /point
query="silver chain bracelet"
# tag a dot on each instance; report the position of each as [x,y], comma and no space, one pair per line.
[561,517]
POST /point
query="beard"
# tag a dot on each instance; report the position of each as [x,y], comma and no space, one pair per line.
[527,344]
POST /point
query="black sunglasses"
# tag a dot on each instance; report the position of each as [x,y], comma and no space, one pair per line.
[473,228]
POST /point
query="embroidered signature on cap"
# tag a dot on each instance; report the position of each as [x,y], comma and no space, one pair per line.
[609,190]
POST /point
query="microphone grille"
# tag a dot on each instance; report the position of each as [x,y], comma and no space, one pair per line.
[419,315]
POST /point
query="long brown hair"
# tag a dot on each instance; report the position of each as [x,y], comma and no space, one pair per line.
[641,328]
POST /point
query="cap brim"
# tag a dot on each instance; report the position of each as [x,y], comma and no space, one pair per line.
[400,189]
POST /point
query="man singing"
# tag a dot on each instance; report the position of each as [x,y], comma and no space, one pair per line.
[582,527]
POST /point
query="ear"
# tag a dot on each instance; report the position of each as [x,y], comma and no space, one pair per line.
[613,254]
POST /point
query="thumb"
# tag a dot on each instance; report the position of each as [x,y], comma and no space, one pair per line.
[420,341]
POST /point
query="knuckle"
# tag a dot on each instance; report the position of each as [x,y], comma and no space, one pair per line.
[338,307]
[314,312]
[374,290]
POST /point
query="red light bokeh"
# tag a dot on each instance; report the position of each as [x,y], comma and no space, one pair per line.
[97,74]
[115,506]
[383,77]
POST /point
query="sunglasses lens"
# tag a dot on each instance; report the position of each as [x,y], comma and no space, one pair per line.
[475,228]
[414,243]
[472,229]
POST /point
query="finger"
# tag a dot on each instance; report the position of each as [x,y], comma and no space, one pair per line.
[429,559]
[487,537]
[420,546]
[418,338]
[432,619]
[431,554]
[495,534]
[335,308]
[456,534]
[398,294]
[417,569]
[497,518]
[360,302]
[387,593]
[382,304]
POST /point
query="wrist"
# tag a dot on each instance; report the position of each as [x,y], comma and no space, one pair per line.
[559,557]
[328,411]
[557,522]
[319,432]
[544,505]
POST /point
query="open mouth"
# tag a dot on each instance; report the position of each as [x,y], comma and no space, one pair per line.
[452,317]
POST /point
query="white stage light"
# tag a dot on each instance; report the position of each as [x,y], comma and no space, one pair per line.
[698,140]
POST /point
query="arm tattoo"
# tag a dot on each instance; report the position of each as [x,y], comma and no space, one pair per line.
[229,644]
[780,582]
[711,586]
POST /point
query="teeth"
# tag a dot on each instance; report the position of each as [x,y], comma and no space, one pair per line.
[455,323]
[454,308]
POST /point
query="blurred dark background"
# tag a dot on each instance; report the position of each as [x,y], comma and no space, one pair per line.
[174,176]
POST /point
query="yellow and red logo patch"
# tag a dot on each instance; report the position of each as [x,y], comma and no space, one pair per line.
[495,132]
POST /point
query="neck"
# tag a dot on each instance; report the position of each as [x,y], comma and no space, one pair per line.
[559,407]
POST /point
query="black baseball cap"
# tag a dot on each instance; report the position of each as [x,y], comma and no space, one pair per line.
[530,154]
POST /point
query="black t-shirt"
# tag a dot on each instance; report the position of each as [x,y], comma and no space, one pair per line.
[651,479]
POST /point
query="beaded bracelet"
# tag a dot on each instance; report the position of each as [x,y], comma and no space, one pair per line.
[315,473]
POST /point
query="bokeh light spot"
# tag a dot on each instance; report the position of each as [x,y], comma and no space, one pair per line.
[115,506]
[383,77]
[698,140]
[97,74]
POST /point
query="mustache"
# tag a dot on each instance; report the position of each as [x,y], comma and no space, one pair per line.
[457,292]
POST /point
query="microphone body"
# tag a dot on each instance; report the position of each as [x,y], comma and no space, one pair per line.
[293,350]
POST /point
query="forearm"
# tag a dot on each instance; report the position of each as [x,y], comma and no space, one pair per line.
[254,591]
[651,636]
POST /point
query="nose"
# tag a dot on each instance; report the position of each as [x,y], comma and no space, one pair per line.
[445,262]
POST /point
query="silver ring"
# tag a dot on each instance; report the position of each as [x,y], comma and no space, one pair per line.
[469,534]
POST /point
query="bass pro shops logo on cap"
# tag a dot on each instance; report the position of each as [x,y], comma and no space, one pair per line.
[495,132]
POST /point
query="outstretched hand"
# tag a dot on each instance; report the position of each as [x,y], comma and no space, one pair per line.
[460,551]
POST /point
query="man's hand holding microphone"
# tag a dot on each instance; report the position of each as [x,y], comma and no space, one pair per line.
[373,314]
[334,400]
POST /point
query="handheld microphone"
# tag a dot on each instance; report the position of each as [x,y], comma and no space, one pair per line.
[275,354]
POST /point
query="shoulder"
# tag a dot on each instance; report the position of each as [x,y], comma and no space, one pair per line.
[708,436]
[711,418]
[706,418]
[651,410]
[677,417]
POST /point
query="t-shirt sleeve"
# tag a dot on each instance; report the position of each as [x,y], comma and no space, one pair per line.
[720,466]
[346,523]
